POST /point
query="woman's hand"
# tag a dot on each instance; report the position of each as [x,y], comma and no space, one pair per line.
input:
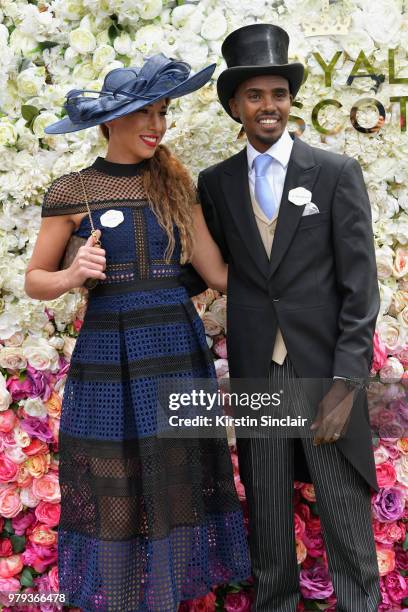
[89,262]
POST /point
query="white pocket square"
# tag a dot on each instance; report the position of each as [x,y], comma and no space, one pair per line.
[310,209]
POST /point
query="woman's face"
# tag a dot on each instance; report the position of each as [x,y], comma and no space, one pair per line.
[138,134]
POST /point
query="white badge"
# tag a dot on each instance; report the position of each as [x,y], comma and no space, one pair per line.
[300,196]
[112,218]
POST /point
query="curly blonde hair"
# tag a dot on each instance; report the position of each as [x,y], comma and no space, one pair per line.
[171,194]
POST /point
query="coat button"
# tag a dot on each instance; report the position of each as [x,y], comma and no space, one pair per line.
[275,299]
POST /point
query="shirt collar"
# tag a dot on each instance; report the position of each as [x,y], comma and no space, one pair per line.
[280,150]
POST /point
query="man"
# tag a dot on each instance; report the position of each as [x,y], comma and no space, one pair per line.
[302,302]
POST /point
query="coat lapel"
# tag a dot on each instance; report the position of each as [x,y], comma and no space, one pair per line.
[302,172]
[235,186]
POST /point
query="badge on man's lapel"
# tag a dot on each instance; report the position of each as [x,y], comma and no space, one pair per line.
[303,197]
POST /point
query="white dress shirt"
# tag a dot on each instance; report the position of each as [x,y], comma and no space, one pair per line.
[276,174]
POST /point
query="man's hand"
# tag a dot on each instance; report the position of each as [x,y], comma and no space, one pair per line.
[333,413]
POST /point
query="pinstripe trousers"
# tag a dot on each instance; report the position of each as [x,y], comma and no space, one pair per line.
[343,500]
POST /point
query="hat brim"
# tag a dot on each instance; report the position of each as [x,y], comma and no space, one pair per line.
[231,78]
[196,81]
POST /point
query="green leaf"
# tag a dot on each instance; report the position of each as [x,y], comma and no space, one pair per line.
[18,542]
[405,544]
[8,528]
[405,602]
[113,32]
[314,508]
[47,44]
[29,112]
[26,577]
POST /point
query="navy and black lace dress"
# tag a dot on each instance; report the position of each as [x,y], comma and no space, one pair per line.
[146,521]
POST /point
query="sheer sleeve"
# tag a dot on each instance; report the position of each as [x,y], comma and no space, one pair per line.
[64,197]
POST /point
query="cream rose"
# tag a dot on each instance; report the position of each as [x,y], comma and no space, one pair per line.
[41,121]
[103,55]
[8,133]
[27,496]
[150,9]
[82,40]
[40,355]
[389,331]
[10,502]
[31,81]
[392,371]
[400,268]
[35,407]
[123,44]
[5,397]
[384,257]
[12,358]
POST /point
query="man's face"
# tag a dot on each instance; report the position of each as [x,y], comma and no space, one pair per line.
[262,103]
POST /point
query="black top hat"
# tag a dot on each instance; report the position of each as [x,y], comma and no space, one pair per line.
[254,50]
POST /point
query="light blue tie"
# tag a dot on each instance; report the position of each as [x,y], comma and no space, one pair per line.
[263,191]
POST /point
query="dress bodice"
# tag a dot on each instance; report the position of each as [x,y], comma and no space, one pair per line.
[131,235]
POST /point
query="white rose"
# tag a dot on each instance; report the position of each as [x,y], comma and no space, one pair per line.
[215,26]
[5,397]
[392,371]
[41,121]
[150,9]
[22,43]
[109,67]
[8,133]
[384,257]
[28,498]
[123,44]
[34,407]
[70,9]
[56,342]
[103,55]
[195,49]
[148,39]
[15,454]
[382,21]
[30,81]
[181,14]
[8,325]
[12,358]
[82,40]
[40,355]
[84,72]
[380,454]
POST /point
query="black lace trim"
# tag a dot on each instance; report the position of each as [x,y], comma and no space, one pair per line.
[132,370]
[142,487]
[154,315]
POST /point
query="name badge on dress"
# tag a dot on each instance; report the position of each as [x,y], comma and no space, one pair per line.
[112,218]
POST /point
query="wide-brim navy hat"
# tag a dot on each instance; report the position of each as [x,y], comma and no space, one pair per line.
[255,50]
[126,90]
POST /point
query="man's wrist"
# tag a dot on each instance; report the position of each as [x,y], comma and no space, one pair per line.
[352,383]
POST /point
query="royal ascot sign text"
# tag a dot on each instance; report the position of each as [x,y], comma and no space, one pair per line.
[363,68]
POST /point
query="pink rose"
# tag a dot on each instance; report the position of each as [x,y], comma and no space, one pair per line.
[6,548]
[392,371]
[9,585]
[10,566]
[43,535]
[299,526]
[396,586]
[314,544]
[19,389]
[313,525]
[10,502]
[22,521]
[39,557]
[387,533]
[220,348]
[204,604]
[315,583]
[308,492]
[7,420]
[380,354]
[237,602]
[47,488]
[386,475]
[8,469]
[53,578]
[48,513]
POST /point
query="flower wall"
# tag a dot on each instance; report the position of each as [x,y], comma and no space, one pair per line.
[50,47]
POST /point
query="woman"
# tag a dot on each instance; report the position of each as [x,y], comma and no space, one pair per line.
[147,520]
